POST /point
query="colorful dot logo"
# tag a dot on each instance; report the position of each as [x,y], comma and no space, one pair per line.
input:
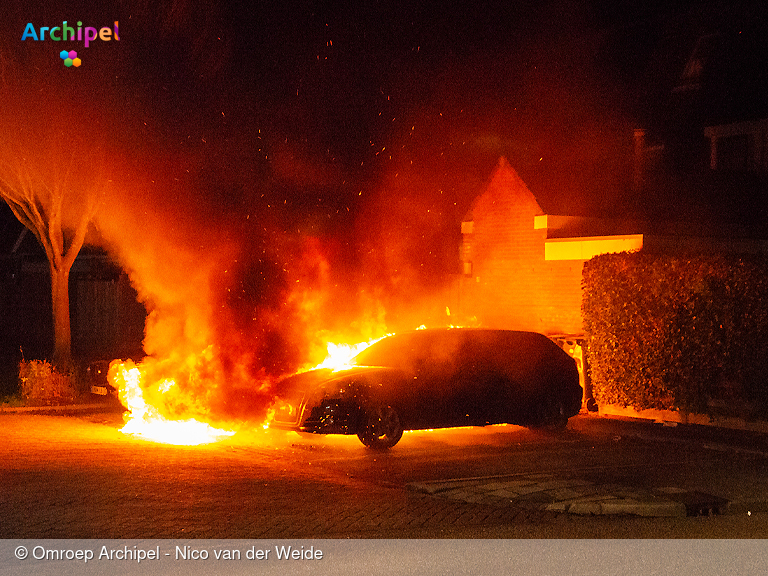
[70,58]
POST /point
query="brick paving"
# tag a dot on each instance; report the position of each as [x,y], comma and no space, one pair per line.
[70,478]
[574,495]
[79,477]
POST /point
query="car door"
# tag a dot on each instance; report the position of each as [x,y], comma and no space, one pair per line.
[480,396]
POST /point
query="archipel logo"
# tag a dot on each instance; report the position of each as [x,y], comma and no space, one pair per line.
[70,58]
[67,34]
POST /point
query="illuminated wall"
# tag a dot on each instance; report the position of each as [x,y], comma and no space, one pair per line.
[515,276]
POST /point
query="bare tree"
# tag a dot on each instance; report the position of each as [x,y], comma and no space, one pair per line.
[38,202]
[51,176]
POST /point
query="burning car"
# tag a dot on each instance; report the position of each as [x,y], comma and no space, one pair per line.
[435,379]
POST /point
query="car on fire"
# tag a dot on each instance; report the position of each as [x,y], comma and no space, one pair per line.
[437,378]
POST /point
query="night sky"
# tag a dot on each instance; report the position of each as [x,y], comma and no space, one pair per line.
[321,106]
[321,96]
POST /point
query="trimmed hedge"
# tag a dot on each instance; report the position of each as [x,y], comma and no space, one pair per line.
[680,333]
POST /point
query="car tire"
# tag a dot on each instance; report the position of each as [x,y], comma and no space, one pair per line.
[380,428]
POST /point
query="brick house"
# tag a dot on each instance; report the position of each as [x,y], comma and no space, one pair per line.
[522,261]
[507,281]
[696,179]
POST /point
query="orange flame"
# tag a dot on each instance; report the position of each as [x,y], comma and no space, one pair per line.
[145,421]
[149,399]
[340,355]
[144,418]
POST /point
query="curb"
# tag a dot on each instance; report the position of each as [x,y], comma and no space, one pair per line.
[60,410]
[674,418]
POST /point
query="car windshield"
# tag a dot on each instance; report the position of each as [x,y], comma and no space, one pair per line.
[410,350]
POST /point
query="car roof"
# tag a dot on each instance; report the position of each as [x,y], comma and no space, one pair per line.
[452,345]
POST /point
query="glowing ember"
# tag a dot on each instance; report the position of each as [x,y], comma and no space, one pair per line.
[145,421]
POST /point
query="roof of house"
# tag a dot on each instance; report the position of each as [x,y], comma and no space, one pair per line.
[669,202]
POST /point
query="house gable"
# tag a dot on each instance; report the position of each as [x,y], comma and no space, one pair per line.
[502,218]
[503,253]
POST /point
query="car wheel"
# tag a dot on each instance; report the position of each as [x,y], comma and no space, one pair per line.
[381,428]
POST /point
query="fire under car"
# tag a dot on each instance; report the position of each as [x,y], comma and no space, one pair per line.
[436,379]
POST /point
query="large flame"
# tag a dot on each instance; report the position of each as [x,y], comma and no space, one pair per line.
[236,301]
[145,421]
[340,355]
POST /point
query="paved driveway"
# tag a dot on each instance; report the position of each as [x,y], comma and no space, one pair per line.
[77,477]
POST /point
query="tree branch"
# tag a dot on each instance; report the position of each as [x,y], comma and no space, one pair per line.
[20,197]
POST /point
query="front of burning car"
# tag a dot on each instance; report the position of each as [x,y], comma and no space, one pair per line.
[330,402]
[318,401]
[331,410]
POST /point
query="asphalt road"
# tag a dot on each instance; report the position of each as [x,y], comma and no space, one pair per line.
[80,477]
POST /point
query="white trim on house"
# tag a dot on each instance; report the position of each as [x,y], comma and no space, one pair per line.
[584,248]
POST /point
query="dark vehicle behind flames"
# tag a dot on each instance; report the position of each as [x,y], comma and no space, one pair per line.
[436,379]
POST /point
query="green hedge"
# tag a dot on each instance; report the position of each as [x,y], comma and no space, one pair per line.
[681,333]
